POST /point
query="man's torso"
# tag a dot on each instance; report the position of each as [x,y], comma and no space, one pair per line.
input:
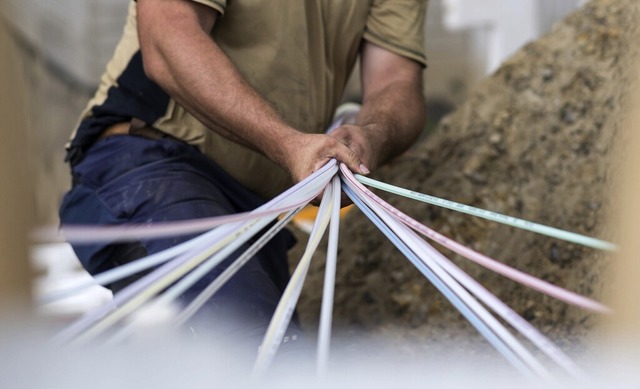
[297,55]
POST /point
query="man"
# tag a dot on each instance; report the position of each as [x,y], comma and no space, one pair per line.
[211,107]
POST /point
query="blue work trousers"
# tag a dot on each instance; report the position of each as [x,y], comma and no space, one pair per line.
[129,179]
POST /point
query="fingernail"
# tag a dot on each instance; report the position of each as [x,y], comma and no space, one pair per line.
[364,169]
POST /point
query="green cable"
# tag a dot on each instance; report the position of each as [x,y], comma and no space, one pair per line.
[490,215]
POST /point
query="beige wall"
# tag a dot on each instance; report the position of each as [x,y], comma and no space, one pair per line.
[624,326]
[15,194]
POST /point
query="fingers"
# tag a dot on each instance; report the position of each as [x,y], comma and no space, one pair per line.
[347,152]
[325,148]
[309,152]
[344,154]
[355,138]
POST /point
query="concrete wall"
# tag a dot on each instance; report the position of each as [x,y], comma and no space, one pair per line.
[76,37]
[468,39]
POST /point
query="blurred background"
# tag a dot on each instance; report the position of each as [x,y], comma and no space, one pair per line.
[63,45]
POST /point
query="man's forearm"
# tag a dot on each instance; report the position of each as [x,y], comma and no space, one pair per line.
[392,114]
[181,57]
[393,118]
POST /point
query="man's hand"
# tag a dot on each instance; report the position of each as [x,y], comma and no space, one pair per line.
[307,153]
[359,140]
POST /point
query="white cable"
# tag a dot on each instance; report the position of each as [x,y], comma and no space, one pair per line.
[286,306]
[326,311]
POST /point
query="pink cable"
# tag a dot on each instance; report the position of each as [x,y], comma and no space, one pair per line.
[489,263]
[122,233]
[92,233]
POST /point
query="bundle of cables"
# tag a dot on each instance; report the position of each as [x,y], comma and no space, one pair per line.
[178,268]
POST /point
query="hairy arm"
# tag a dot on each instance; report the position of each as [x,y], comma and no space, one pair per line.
[180,56]
[393,109]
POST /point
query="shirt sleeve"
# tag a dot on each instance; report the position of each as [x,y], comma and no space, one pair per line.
[218,5]
[398,26]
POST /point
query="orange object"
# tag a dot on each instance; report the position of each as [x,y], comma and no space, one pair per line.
[305,218]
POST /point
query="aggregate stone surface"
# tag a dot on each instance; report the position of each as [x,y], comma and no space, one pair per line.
[540,140]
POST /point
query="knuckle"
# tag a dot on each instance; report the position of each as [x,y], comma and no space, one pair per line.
[332,142]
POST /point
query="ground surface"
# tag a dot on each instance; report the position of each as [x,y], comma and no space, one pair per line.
[536,140]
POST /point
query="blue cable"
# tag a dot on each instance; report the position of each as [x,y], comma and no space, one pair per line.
[470,315]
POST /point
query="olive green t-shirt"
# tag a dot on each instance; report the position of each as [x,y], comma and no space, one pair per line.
[297,54]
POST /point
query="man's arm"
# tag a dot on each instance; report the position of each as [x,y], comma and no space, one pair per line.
[180,56]
[393,108]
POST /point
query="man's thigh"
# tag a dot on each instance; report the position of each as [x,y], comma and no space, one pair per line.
[132,180]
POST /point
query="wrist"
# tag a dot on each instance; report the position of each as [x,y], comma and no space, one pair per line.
[378,138]
[283,145]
